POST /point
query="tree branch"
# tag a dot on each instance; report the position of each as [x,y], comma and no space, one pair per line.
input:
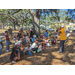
[17,11]
[31,12]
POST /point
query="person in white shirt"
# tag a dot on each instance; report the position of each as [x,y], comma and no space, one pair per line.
[34,36]
[34,46]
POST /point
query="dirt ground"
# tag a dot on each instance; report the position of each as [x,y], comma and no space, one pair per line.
[48,56]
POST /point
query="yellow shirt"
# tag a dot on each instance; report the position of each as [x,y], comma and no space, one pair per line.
[63,34]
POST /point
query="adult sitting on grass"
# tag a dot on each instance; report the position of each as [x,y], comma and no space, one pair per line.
[15,55]
[34,47]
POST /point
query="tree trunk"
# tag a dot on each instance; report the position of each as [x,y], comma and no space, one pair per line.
[36,22]
[36,25]
[3,26]
[14,27]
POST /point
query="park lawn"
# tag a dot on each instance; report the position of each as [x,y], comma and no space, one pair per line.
[48,56]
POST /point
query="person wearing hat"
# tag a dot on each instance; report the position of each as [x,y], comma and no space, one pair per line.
[62,39]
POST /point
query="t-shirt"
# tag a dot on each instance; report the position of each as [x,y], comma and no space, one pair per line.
[7,37]
[40,48]
[46,41]
[34,45]
[26,37]
[34,36]
[0,43]
[10,31]
[68,34]
[63,34]
[46,34]
[28,48]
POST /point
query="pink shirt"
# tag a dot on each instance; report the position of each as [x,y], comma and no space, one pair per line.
[46,41]
[40,48]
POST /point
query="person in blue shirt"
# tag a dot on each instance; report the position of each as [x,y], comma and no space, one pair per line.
[46,34]
[1,46]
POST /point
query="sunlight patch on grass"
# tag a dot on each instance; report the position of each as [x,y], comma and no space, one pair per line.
[59,62]
[5,54]
[23,62]
[56,55]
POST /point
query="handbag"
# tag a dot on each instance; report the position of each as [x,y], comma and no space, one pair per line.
[38,50]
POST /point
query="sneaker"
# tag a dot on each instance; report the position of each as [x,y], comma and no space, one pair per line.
[7,50]
[59,52]
[13,62]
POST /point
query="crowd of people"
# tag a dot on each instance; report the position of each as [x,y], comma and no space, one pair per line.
[34,44]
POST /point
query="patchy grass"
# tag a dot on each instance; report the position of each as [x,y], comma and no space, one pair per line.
[48,56]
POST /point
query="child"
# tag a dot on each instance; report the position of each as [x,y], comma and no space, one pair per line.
[14,39]
[27,33]
[41,41]
[40,47]
[34,36]
[1,44]
[46,34]
[24,41]
[68,34]
[56,34]
[19,49]
[15,55]
[53,41]
[7,41]
[46,41]
[32,40]
[27,49]
[21,44]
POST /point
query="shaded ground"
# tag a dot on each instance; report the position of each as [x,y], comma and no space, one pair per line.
[48,56]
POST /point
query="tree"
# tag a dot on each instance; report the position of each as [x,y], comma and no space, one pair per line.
[36,18]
